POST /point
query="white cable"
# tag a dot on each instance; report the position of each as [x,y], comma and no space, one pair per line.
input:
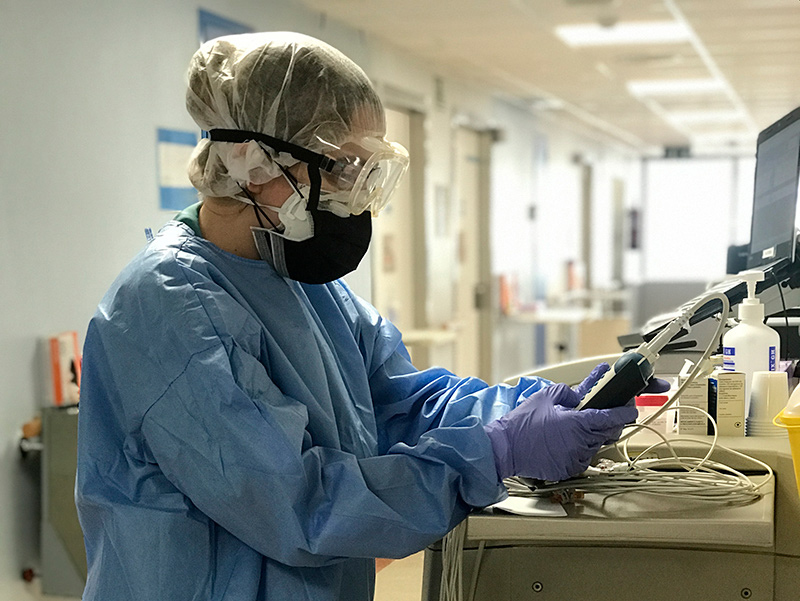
[476,570]
[451,584]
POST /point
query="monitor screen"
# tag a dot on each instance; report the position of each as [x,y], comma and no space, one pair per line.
[772,229]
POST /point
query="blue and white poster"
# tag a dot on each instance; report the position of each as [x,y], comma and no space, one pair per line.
[174,151]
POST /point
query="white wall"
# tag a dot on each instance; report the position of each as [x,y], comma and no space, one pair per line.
[85,85]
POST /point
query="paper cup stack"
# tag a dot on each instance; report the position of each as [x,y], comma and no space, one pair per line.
[769,394]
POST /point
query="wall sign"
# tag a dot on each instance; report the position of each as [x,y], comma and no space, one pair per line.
[174,149]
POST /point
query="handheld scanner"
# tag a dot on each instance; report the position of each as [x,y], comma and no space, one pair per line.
[626,378]
[631,373]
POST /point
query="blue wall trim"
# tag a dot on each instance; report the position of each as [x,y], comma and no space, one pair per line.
[213,26]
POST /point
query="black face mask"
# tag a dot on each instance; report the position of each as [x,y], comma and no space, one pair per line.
[335,249]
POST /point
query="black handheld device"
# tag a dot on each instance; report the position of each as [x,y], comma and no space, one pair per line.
[622,382]
[631,373]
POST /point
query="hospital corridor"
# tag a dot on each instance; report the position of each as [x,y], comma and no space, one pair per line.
[506,290]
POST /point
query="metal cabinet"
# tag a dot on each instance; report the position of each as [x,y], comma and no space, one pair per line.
[63,570]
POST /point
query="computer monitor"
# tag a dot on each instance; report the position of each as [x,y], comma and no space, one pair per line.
[773,224]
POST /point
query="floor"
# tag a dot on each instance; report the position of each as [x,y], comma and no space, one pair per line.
[401,580]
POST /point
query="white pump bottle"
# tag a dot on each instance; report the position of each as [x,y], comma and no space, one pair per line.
[751,345]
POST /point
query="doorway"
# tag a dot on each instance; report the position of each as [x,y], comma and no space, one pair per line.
[473,283]
[395,238]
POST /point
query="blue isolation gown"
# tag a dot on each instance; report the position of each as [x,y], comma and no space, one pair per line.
[247,437]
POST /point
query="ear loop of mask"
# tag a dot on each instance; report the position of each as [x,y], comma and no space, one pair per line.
[292,180]
[256,207]
[258,210]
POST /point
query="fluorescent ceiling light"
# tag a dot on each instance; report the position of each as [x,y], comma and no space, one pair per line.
[641,32]
[696,117]
[674,87]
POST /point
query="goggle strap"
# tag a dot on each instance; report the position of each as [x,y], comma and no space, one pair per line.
[298,152]
[315,179]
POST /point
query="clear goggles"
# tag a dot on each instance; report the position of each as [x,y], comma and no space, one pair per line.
[358,176]
[364,174]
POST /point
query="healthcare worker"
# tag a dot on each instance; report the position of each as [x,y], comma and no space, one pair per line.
[249,428]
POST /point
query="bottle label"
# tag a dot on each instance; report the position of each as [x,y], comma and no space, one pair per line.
[729,358]
[773,359]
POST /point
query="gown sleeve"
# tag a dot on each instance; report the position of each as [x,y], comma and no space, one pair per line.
[241,461]
[409,402]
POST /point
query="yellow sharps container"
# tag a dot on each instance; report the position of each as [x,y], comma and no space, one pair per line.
[789,418]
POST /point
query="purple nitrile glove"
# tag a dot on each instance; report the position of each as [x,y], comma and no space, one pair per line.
[589,381]
[545,438]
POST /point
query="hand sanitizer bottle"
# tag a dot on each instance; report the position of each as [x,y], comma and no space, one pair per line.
[751,345]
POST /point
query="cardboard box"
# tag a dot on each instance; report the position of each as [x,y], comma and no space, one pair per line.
[691,422]
[726,401]
[65,369]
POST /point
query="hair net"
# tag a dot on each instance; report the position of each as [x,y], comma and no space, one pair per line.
[287,85]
